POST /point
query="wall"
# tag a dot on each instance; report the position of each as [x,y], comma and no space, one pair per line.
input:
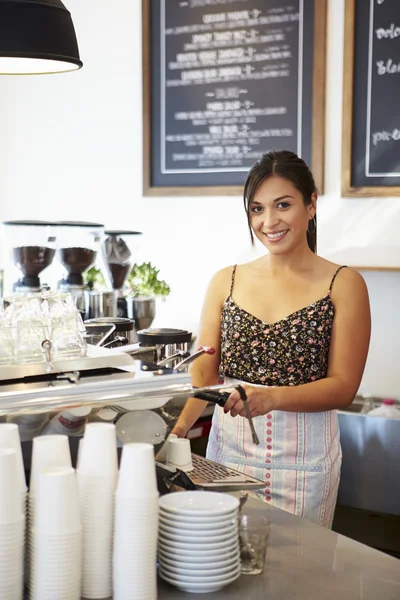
[71,148]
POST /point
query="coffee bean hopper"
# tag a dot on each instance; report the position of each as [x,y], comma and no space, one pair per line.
[119,252]
[78,243]
[31,248]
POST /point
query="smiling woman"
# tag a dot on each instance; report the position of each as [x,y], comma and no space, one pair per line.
[293,329]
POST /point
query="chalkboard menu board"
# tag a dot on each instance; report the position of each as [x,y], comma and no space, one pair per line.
[225,81]
[371,102]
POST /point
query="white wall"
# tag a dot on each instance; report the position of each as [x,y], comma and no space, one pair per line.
[71,148]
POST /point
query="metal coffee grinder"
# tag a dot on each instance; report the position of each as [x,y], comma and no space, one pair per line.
[78,243]
[119,252]
[31,249]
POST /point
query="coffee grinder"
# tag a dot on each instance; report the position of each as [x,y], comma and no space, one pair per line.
[77,245]
[32,246]
[119,252]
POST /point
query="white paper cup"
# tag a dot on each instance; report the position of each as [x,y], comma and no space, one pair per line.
[10,491]
[179,454]
[29,422]
[98,454]
[57,506]
[137,476]
[9,438]
[69,422]
[48,452]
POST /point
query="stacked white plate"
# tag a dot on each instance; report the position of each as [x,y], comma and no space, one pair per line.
[198,542]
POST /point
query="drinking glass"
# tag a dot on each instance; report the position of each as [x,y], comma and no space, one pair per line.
[31,330]
[66,337]
[253,539]
[6,343]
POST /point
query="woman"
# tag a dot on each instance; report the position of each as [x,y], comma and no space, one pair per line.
[294,328]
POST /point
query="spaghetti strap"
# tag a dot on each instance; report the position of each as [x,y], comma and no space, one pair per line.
[334,276]
[232,280]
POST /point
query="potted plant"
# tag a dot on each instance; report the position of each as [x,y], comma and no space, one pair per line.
[145,287]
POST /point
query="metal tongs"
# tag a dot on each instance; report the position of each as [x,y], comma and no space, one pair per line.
[220,398]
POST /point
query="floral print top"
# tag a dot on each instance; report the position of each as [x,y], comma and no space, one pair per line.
[291,351]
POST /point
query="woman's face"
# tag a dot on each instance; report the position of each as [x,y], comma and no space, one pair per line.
[279,217]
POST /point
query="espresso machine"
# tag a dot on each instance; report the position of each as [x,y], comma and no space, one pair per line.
[78,243]
[31,246]
[119,251]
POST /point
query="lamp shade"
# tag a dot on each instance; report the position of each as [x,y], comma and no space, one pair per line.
[37,36]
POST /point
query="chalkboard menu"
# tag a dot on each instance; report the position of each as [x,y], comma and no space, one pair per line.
[225,81]
[371,104]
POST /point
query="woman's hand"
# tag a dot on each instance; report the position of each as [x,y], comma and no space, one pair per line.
[180,430]
[260,400]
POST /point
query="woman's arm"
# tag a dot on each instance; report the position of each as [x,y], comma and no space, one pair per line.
[347,356]
[205,370]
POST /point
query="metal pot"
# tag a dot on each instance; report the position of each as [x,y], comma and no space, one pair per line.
[123,334]
[100,304]
[142,309]
[166,343]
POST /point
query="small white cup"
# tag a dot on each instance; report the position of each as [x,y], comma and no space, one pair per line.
[98,454]
[49,451]
[137,476]
[179,454]
[57,506]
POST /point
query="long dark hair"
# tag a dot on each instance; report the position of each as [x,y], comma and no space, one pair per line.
[288,166]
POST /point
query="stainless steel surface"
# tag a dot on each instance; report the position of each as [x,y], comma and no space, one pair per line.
[307,562]
[370,477]
[143,391]
[96,358]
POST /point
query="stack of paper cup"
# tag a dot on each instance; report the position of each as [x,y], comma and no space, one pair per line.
[48,453]
[12,529]
[56,561]
[9,438]
[136,525]
[69,422]
[97,475]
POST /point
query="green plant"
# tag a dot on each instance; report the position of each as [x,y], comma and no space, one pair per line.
[94,278]
[143,281]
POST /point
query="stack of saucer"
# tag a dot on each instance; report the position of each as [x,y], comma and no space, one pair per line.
[198,544]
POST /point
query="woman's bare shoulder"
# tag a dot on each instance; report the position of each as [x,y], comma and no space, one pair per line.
[221,281]
[346,282]
[343,273]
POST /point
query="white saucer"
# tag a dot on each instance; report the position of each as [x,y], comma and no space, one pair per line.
[222,535]
[197,588]
[195,503]
[196,561]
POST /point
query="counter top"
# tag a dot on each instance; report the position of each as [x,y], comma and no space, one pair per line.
[307,562]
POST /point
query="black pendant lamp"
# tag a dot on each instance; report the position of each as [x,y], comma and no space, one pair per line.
[37,37]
